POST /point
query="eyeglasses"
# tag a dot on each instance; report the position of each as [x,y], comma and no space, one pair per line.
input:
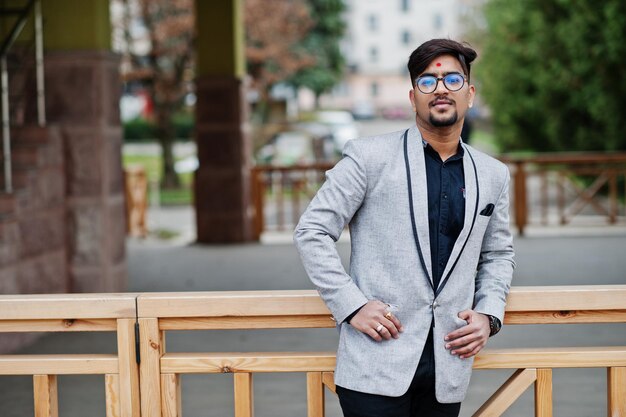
[427,84]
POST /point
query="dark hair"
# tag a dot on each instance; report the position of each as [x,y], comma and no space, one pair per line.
[426,52]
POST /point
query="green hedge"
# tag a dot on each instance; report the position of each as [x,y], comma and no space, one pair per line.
[143,130]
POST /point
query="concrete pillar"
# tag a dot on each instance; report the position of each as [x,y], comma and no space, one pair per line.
[82,98]
[222,183]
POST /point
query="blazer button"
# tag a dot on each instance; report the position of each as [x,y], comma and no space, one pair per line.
[435,304]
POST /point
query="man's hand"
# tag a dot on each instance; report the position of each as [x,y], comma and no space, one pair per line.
[376,315]
[470,339]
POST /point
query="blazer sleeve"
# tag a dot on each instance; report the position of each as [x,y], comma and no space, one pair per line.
[320,226]
[496,264]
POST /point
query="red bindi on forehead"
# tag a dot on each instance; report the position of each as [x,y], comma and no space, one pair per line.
[438,64]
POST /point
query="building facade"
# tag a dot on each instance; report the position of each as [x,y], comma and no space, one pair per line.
[380,36]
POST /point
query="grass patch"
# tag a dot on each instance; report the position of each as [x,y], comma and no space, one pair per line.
[154,171]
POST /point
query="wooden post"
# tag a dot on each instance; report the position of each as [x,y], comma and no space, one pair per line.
[46,396]
[244,395]
[280,201]
[112,395]
[544,197]
[171,395]
[136,190]
[296,187]
[521,207]
[561,198]
[128,369]
[616,391]
[543,393]
[258,189]
[315,394]
[612,196]
[150,367]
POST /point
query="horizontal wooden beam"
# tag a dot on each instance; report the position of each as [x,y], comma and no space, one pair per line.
[250,322]
[569,357]
[67,306]
[58,364]
[565,317]
[564,298]
[232,303]
[59,325]
[559,300]
[205,363]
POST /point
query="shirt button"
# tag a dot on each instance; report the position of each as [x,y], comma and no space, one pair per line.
[445,196]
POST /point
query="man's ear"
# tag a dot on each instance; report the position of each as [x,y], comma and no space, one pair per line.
[472,93]
[412,99]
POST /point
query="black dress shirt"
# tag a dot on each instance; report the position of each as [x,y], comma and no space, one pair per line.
[446,205]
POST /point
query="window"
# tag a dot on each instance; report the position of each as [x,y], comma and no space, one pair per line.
[404,5]
[406,37]
[373,54]
[372,22]
[438,21]
[374,89]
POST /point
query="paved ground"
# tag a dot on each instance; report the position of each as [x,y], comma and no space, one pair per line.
[548,257]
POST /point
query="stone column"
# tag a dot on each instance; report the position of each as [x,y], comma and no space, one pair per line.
[222,182]
[82,99]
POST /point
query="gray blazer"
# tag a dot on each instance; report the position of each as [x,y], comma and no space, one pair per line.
[390,259]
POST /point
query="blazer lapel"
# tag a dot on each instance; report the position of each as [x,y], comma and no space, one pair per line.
[471,204]
[415,150]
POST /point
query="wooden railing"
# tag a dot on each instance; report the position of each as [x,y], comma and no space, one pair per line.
[281,194]
[562,174]
[75,313]
[158,376]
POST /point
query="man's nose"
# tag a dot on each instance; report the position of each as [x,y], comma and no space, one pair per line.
[441,88]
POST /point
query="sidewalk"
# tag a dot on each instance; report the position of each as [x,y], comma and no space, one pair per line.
[593,257]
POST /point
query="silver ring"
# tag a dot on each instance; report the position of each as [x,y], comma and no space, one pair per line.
[379,328]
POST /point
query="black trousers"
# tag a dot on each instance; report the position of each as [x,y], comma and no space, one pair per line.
[418,401]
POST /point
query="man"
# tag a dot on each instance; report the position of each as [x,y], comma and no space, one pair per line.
[432,256]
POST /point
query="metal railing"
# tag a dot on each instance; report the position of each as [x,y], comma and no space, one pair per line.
[22,15]
[153,389]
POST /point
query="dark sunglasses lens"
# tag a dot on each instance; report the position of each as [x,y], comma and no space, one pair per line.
[453,82]
[426,84]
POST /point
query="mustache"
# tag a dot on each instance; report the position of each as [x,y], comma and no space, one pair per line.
[439,100]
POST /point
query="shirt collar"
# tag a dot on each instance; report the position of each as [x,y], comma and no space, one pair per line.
[458,155]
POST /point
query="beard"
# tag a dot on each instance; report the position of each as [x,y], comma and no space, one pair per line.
[451,120]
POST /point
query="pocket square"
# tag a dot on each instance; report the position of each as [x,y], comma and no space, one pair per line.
[488,210]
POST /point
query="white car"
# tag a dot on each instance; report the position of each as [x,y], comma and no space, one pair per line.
[341,124]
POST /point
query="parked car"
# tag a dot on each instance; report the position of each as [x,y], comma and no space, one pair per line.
[288,148]
[341,125]
[363,110]
[396,112]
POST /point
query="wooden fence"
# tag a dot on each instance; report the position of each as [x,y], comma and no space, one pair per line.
[285,191]
[75,313]
[157,378]
[564,175]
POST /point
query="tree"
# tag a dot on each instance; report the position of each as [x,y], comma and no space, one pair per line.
[551,72]
[322,42]
[274,30]
[165,70]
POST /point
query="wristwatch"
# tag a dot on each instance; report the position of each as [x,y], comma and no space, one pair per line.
[494,325]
